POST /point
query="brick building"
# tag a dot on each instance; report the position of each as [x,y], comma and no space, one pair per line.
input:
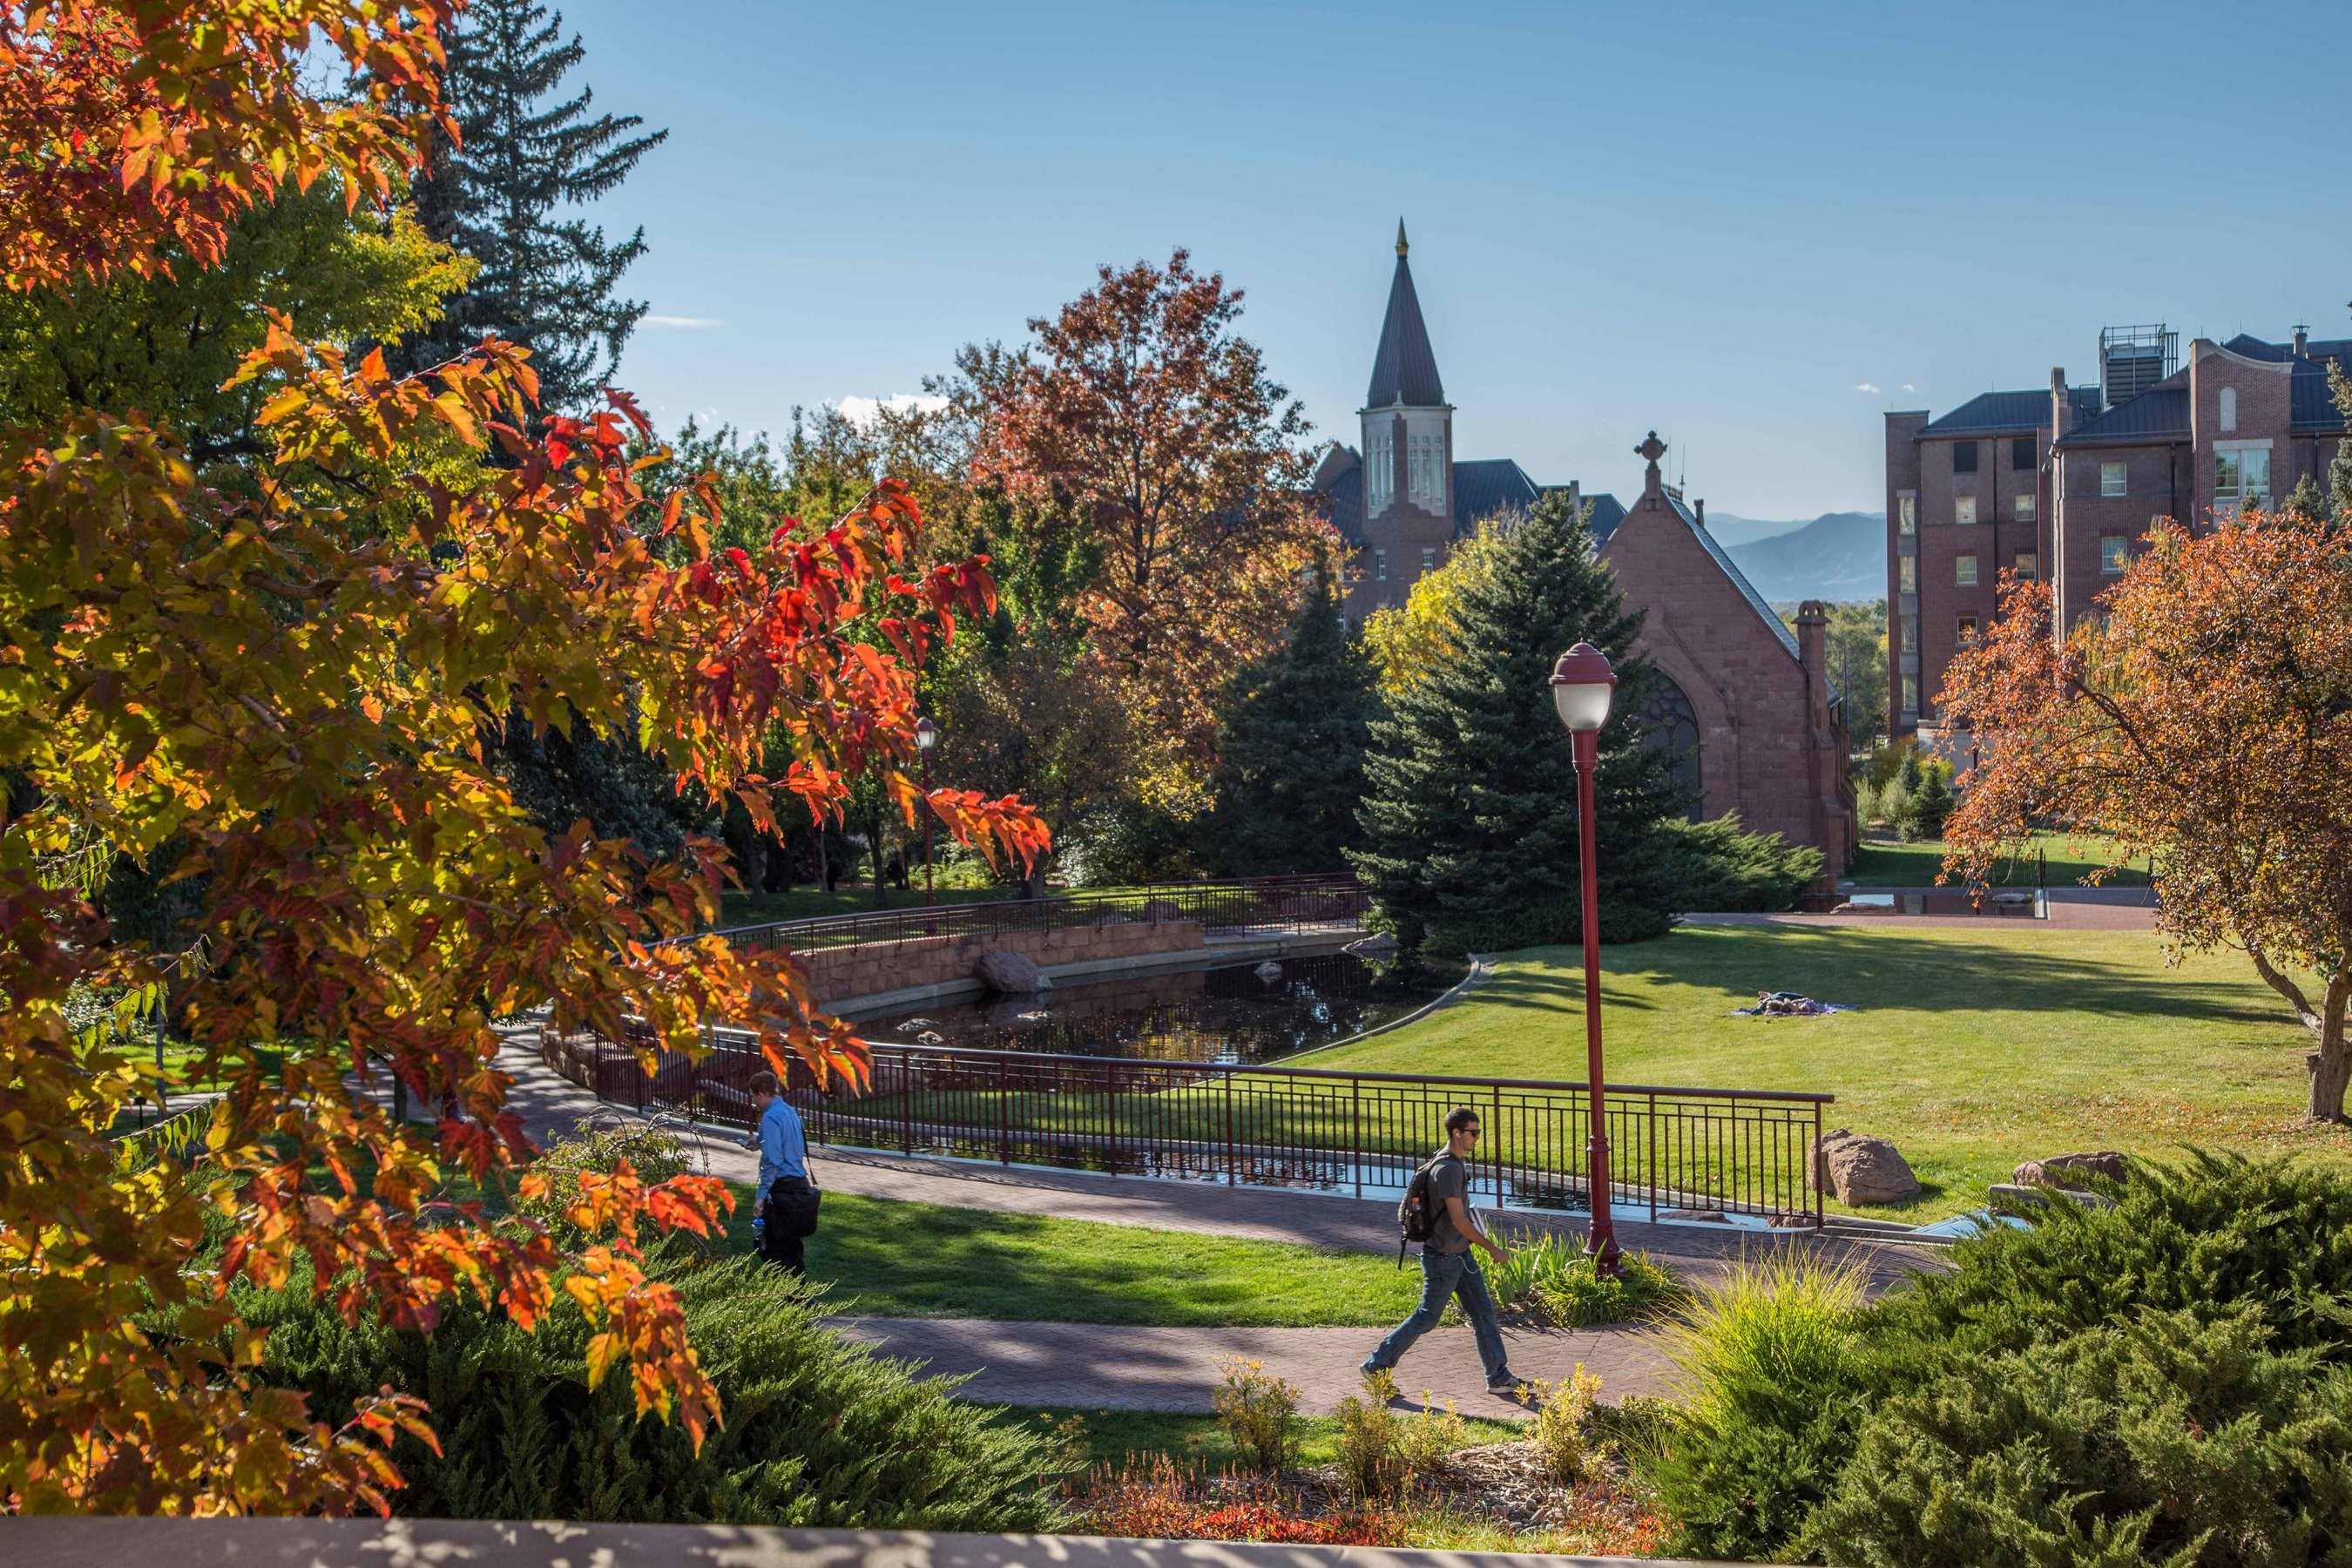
[2064,482]
[1746,704]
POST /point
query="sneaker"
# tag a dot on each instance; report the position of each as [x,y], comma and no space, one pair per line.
[1369,1368]
[1508,1385]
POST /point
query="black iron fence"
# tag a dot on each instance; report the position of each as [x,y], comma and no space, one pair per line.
[1718,1150]
[1258,903]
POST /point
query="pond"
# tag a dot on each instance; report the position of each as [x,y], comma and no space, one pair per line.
[1234,1012]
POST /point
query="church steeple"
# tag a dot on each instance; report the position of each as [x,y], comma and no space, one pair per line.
[1408,425]
[1404,371]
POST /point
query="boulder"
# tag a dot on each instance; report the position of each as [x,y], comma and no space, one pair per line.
[2068,1170]
[1008,971]
[1380,944]
[1268,972]
[1862,1169]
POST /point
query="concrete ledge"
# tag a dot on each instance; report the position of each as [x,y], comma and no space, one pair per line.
[53,1543]
[1216,951]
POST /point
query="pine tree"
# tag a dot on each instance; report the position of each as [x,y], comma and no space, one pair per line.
[1290,744]
[547,280]
[1471,817]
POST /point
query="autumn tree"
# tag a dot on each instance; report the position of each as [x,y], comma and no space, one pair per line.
[272,690]
[2201,722]
[1409,641]
[1147,423]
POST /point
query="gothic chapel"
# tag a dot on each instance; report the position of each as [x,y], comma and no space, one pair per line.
[1746,704]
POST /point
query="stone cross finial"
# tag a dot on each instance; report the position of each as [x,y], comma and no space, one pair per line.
[1652,449]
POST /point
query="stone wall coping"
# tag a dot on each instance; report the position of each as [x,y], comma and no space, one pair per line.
[66,1542]
[1216,952]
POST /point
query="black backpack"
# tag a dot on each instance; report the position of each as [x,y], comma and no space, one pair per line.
[1416,1216]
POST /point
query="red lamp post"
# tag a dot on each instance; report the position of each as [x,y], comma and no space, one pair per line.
[927,735]
[1582,684]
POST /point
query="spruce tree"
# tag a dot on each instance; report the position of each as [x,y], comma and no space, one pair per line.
[504,195]
[1471,814]
[1290,750]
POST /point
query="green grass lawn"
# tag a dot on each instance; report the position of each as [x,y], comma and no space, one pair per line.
[886,1258]
[1973,1049]
[1886,863]
[1109,1436]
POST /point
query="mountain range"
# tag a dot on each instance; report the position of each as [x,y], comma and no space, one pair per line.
[1837,555]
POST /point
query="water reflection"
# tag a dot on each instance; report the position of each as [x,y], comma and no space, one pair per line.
[1237,1013]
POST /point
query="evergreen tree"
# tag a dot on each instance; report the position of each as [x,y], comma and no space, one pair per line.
[1471,817]
[547,280]
[1290,743]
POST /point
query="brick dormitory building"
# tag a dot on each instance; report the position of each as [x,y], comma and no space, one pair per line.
[2063,482]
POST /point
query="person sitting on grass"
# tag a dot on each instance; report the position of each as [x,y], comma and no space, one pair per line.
[1447,1269]
[785,1200]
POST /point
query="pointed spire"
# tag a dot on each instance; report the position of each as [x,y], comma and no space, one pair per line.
[1404,371]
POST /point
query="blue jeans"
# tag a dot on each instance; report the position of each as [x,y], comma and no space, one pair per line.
[1445,1275]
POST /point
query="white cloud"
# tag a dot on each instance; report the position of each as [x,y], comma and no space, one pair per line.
[689,323]
[1863,386]
[865,410]
[1908,387]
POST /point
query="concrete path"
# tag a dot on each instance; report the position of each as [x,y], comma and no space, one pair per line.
[1093,1366]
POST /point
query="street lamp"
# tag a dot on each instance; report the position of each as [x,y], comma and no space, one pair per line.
[927,735]
[1582,687]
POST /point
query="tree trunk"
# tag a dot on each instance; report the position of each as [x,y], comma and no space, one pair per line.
[873,853]
[755,868]
[2331,1065]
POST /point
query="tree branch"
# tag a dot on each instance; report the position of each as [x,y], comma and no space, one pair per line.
[2285,986]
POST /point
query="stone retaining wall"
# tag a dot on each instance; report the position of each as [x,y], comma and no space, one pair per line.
[840,973]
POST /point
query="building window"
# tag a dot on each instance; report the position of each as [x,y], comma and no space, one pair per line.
[1910,573]
[2112,478]
[1964,566]
[1964,457]
[1907,513]
[2028,564]
[1910,633]
[1968,630]
[1910,697]
[2115,553]
[2241,476]
[2024,507]
[1964,509]
[2021,453]
[1428,560]
[2229,409]
[1379,565]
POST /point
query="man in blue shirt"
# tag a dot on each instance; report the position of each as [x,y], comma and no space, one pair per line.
[786,1199]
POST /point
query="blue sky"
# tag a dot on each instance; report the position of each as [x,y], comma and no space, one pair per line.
[1751,227]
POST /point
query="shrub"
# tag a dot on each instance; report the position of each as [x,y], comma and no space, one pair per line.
[1158,1499]
[1258,1412]
[818,1432]
[653,1154]
[1370,1465]
[1769,1367]
[2167,1438]
[1554,1281]
[2156,1381]
[1720,867]
[1428,1442]
[1558,1431]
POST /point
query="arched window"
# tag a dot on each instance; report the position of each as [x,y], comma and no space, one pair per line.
[1667,721]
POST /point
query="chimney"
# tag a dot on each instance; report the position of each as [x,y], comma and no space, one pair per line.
[1700,513]
[1812,655]
[2062,404]
[2302,339]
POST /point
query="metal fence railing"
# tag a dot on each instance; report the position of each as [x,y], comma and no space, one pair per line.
[1726,1151]
[1259,903]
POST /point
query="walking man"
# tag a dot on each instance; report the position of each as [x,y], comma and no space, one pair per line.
[785,1201]
[1447,1269]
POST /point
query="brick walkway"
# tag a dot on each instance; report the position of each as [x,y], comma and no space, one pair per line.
[1090,1365]
[1126,1367]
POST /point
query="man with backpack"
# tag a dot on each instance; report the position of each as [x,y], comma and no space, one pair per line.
[785,1202]
[1435,1214]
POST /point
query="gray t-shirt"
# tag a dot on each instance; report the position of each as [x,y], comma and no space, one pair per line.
[1448,1178]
